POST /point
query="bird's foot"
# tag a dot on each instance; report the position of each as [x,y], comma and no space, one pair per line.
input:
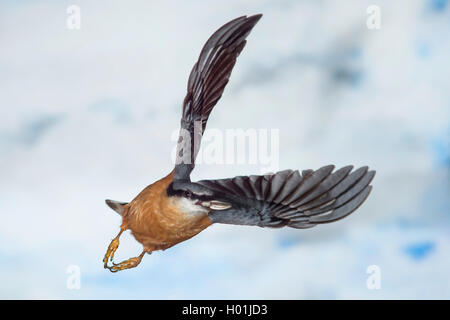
[127,264]
[109,255]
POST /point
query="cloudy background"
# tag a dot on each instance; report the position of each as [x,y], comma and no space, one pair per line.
[88,114]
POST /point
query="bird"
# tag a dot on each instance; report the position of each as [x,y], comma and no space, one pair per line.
[175,209]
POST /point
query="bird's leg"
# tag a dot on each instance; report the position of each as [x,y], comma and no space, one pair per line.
[109,255]
[127,264]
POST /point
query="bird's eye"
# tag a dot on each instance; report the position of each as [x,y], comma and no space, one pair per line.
[187,194]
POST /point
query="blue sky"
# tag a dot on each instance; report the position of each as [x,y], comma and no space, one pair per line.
[88,114]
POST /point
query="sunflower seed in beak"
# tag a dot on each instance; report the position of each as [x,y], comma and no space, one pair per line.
[216,205]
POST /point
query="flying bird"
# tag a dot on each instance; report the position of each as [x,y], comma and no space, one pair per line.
[174,209]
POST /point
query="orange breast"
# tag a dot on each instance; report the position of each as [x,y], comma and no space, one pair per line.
[158,222]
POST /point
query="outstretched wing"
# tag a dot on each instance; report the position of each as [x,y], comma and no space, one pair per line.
[207,81]
[290,198]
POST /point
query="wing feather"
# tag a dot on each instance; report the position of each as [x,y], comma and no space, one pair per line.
[288,198]
[206,84]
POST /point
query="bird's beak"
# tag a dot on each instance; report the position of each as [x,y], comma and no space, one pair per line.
[215,205]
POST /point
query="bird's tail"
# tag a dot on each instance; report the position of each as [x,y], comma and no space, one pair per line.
[117,206]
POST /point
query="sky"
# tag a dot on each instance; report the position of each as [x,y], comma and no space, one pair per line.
[90,113]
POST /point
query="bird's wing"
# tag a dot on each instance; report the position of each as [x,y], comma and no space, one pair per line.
[206,83]
[290,198]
